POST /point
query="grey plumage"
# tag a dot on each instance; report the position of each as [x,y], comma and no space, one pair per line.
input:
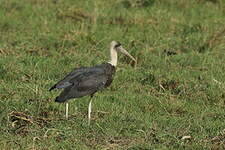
[84,81]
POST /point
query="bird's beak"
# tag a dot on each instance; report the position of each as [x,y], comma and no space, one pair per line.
[122,50]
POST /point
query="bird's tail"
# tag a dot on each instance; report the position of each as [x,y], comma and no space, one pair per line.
[64,96]
[58,99]
[52,88]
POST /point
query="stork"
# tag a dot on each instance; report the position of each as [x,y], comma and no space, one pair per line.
[88,80]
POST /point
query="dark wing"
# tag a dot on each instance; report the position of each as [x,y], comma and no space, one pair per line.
[72,76]
[84,84]
[91,81]
[65,81]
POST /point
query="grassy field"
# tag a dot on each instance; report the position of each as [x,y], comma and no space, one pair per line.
[173,99]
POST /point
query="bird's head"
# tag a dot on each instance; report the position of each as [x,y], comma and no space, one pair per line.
[119,48]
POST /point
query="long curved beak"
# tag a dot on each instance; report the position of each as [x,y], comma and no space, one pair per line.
[122,50]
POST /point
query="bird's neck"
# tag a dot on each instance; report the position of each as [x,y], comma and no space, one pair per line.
[113,57]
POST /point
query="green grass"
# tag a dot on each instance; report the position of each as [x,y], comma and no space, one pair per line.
[176,90]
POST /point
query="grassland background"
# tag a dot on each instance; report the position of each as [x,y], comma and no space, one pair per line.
[176,90]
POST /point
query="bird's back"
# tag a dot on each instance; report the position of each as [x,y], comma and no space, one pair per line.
[85,81]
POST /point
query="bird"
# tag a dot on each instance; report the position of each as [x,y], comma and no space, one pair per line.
[86,81]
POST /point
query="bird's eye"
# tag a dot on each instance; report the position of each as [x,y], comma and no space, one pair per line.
[117,45]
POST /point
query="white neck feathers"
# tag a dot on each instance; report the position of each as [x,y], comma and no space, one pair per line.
[113,57]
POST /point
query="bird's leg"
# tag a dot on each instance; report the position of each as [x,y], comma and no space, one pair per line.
[89,112]
[67,108]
